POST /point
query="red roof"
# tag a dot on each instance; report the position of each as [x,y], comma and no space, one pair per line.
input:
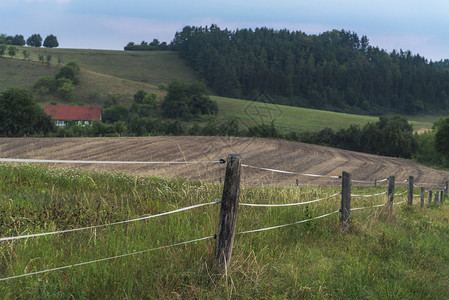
[74,113]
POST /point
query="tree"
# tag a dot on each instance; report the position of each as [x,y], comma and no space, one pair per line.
[51,42]
[70,71]
[26,54]
[21,114]
[139,96]
[45,85]
[442,137]
[114,114]
[186,100]
[34,40]
[12,51]
[18,40]
[120,127]
[3,49]
[48,59]
[66,89]
[2,38]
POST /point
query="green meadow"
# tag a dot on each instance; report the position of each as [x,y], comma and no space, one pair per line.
[403,256]
[288,118]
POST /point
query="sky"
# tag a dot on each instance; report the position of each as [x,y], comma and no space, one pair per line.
[416,25]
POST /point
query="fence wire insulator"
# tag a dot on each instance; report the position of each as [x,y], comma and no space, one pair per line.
[222,161]
[218,200]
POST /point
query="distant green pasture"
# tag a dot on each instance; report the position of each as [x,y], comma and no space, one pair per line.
[288,118]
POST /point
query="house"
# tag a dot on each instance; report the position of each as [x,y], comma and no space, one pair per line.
[82,115]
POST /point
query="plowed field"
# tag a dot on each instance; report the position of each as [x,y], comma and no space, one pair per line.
[265,153]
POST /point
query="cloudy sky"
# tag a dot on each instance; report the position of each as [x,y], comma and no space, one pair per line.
[416,25]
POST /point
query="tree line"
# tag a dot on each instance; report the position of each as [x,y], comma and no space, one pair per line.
[335,70]
[35,40]
[155,45]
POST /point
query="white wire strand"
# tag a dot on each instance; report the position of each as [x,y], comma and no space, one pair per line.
[362,181]
[290,224]
[19,160]
[288,204]
[289,172]
[368,196]
[426,183]
[104,225]
[400,194]
[105,259]
[366,207]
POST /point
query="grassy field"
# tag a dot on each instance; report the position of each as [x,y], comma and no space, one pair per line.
[288,118]
[399,257]
[152,67]
[104,72]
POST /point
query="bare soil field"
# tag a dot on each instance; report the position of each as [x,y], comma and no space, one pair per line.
[264,153]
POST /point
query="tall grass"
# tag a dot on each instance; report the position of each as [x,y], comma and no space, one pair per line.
[398,257]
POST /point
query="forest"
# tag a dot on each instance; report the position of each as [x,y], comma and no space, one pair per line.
[335,70]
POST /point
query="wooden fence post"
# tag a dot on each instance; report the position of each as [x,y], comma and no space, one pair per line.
[228,213]
[441,197]
[446,187]
[422,197]
[410,190]
[297,182]
[391,180]
[437,193]
[345,201]
[430,196]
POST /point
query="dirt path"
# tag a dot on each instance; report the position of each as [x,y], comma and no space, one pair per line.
[275,154]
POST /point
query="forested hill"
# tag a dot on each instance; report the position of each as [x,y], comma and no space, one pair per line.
[336,70]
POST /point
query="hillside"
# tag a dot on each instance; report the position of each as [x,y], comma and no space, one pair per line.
[289,118]
[122,74]
[104,72]
[275,154]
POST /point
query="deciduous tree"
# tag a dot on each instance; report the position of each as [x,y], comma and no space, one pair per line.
[34,40]
[21,114]
[12,51]
[51,42]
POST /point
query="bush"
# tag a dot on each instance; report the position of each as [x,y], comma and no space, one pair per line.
[184,101]
[66,89]
[46,85]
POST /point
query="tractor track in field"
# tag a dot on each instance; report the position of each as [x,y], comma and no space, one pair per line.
[265,153]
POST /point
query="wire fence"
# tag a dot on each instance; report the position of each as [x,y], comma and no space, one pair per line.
[221,161]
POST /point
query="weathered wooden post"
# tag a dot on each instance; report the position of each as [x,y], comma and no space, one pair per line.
[437,193]
[441,197]
[375,182]
[422,197]
[391,180]
[410,190]
[430,196]
[345,201]
[228,213]
[446,187]
[297,182]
